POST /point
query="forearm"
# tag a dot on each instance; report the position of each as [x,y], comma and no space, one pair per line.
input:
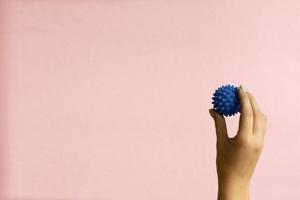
[233,191]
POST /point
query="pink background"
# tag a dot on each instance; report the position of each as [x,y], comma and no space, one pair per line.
[109,99]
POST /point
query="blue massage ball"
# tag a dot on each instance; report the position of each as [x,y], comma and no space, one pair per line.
[226,100]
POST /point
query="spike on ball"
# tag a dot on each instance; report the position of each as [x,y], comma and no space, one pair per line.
[226,100]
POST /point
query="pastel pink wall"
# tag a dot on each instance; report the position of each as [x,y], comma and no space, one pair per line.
[110,99]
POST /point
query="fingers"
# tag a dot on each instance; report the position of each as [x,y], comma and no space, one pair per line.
[246,117]
[260,119]
[220,125]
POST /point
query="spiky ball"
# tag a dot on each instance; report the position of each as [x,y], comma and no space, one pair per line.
[226,100]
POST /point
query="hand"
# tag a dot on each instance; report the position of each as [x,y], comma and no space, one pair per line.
[237,156]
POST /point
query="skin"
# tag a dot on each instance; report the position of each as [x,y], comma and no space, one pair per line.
[237,156]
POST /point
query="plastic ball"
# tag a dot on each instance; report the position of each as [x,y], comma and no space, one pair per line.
[226,100]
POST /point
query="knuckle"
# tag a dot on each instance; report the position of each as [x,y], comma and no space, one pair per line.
[258,146]
[244,142]
[264,117]
[248,113]
[250,144]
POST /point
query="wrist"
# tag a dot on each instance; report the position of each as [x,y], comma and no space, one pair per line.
[233,190]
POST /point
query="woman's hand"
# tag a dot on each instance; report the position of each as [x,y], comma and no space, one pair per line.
[237,156]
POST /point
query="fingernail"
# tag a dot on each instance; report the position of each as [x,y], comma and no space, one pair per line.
[242,87]
[211,112]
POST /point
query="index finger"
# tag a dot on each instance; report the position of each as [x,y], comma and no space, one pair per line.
[259,118]
[246,117]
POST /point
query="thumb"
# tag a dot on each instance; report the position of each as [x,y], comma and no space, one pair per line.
[220,125]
